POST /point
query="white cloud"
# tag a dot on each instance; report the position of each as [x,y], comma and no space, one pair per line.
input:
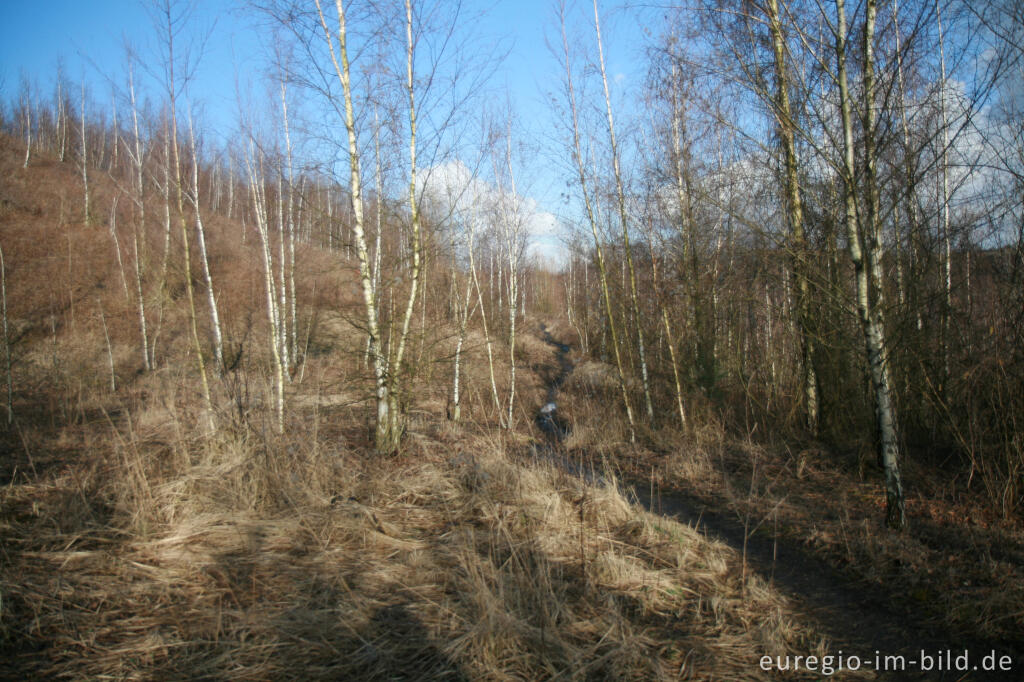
[452,187]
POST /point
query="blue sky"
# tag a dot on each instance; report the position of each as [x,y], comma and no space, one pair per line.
[88,37]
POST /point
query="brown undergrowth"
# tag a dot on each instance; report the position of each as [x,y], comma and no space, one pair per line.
[958,569]
[152,552]
[136,543]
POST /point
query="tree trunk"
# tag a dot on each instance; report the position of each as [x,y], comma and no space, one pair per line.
[621,196]
[483,320]
[218,337]
[183,224]
[385,437]
[602,271]
[865,254]
[139,228]
[83,160]
[256,188]
[799,255]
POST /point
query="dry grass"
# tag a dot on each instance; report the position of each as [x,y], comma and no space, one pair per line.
[958,568]
[136,545]
[303,562]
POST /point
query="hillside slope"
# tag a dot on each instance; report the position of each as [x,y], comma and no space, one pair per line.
[139,545]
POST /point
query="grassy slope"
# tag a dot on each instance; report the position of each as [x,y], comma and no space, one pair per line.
[135,546]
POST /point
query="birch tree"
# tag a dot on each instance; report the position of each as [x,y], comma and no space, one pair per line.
[211,299]
[483,315]
[396,427]
[385,438]
[864,246]
[171,20]
[138,195]
[26,119]
[83,157]
[580,165]
[464,307]
[257,189]
[288,330]
[620,196]
[511,222]
[785,119]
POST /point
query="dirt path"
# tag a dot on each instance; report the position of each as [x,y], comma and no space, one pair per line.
[859,619]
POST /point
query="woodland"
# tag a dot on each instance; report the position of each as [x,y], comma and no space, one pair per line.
[307,402]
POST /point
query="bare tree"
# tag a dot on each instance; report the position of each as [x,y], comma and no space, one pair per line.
[483,315]
[865,251]
[620,196]
[385,439]
[510,218]
[257,189]
[171,20]
[83,157]
[26,119]
[580,163]
[193,195]
[785,118]
[138,195]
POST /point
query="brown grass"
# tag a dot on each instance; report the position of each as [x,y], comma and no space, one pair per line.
[135,545]
[304,561]
[958,568]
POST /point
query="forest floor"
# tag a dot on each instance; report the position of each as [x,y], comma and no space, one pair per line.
[136,543]
[132,550]
[136,546]
[810,526]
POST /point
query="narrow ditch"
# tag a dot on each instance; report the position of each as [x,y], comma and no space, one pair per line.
[858,619]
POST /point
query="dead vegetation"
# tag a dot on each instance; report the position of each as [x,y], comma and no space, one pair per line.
[301,559]
[957,569]
[136,544]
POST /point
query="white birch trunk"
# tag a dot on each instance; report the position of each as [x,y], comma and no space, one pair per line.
[288,263]
[463,312]
[865,254]
[83,158]
[140,225]
[483,318]
[396,366]
[258,193]
[282,280]
[110,351]
[62,119]
[218,337]
[112,225]
[383,436]
[621,196]
[28,129]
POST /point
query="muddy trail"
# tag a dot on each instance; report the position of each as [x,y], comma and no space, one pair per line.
[858,618]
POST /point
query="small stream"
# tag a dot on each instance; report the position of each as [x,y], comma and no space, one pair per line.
[554,427]
[551,424]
